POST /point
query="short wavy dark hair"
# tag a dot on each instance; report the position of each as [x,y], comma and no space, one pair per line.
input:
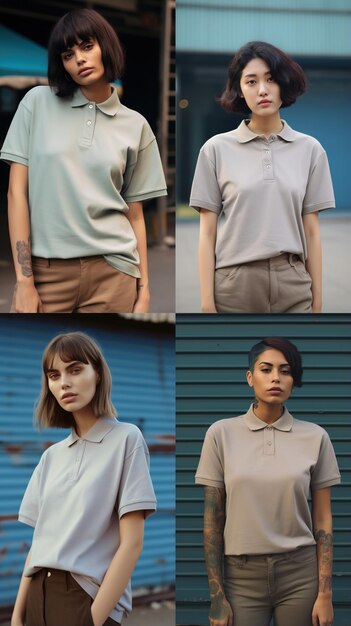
[285,71]
[84,25]
[285,346]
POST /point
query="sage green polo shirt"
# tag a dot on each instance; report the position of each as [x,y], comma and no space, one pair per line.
[86,161]
[260,189]
[267,472]
[76,496]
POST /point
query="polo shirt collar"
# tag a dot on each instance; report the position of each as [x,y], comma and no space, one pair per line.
[109,106]
[285,422]
[96,433]
[244,134]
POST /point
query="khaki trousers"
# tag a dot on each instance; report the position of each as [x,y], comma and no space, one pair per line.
[284,586]
[278,285]
[82,285]
[56,599]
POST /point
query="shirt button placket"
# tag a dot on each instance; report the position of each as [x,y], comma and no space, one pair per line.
[89,125]
[269,447]
[267,163]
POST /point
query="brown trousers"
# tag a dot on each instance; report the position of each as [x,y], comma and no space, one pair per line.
[284,586]
[277,285]
[56,599]
[82,285]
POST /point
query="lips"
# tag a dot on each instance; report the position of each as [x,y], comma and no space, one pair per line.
[85,70]
[275,390]
[265,102]
[69,396]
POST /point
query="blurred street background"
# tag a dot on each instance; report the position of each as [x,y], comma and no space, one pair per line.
[317,35]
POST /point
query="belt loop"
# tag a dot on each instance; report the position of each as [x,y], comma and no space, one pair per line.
[244,558]
[49,262]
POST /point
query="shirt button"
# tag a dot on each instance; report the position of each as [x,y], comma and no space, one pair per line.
[89,122]
[269,428]
[268,166]
[267,151]
[91,106]
[48,574]
[269,443]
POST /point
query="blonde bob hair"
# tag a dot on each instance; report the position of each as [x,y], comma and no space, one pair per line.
[73,347]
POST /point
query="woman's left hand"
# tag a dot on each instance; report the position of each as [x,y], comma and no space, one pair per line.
[142,302]
[322,612]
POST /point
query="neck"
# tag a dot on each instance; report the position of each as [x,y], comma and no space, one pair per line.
[267,412]
[84,421]
[266,125]
[99,92]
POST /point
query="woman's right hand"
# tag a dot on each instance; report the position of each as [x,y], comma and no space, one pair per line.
[208,308]
[27,298]
[221,613]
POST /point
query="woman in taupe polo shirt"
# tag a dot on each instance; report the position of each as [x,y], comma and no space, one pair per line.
[259,189]
[82,164]
[258,470]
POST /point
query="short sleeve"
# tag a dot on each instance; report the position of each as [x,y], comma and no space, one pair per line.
[29,509]
[205,192]
[319,193]
[210,468]
[144,177]
[326,472]
[16,145]
[135,491]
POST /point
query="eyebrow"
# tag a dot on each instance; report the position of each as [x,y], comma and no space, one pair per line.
[71,364]
[254,75]
[267,363]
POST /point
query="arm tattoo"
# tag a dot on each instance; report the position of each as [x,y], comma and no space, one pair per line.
[325,559]
[214,520]
[24,257]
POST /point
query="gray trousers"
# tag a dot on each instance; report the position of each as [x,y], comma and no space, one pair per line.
[277,285]
[283,586]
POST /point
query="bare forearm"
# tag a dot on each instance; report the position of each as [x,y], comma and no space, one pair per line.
[115,581]
[136,218]
[19,610]
[207,271]
[214,520]
[324,539]
[19,228]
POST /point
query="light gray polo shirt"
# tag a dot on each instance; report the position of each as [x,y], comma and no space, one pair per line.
[267,472]
[260,189]
[76,496]
[86,161]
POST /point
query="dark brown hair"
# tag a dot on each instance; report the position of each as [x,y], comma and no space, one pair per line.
[82,25]
[73,347]
[286,72]
[285,346]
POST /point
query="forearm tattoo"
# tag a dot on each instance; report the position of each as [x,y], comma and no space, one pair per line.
[24,257]
[214,520]
[325,559]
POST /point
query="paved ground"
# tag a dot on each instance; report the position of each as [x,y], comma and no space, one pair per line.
[336,241]
[161,271]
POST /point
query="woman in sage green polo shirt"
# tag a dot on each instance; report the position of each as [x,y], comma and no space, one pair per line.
[87,498]
[259,189]
[81,165]
[258,470]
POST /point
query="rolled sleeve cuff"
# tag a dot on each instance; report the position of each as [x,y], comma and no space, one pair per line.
[148,506]
[203,204]
[326,483]
[9,158]
[27,520]
[209,482]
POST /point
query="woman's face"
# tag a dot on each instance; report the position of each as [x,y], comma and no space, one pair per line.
[73,384]
[83,62]
[261,92]
[271,378]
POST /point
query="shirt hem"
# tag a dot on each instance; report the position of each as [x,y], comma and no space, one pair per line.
[26,520]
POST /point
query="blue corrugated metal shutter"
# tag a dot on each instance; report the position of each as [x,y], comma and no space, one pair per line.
[211,385]
[141,359]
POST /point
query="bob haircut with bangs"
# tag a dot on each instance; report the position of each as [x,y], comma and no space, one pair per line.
[286,72]
[285,346]
[73,347]
[82,25]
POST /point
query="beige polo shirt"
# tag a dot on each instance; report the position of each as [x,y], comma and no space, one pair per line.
[76,496]
[86,162]
[267,472]
[260,189]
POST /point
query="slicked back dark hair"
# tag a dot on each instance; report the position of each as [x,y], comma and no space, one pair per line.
[285,346]
[286,72]
[82,25]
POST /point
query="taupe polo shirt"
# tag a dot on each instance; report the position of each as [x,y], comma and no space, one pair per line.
[86,161]
[267,472]
[76,496]
[260,189]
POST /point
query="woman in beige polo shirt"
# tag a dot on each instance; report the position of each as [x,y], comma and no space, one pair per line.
[258,470]
[87,498]
[82,164]
[259,189]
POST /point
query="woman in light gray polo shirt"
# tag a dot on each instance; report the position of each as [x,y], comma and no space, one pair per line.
[258,470]
[82,163]
[87,498]
[259,189]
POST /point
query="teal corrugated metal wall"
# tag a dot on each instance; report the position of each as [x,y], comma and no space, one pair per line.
[309,27]
[211,362]
[141,359]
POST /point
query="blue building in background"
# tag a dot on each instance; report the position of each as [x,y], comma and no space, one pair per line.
[316,33]
[141,358]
